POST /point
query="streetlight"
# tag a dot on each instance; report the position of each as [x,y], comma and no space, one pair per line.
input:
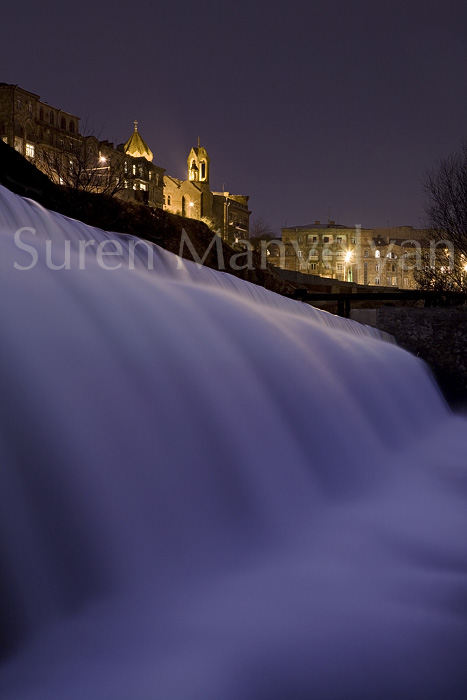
[347,259]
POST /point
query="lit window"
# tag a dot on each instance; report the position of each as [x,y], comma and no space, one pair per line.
[134,169]
[143,186]
[29,150]
[377,280]
[377,254]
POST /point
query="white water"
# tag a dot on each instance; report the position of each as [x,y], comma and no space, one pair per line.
[211,492]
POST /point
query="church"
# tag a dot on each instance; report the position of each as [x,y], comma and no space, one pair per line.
[227,214]
[51,139]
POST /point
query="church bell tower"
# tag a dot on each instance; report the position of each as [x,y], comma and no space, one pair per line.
[198,165]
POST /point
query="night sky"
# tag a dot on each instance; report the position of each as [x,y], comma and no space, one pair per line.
[316,110]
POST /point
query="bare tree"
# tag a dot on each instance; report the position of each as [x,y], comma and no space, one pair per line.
[445,187]
[82,163]
[441,270]
[260,228]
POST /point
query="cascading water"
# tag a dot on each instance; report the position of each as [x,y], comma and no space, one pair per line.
[212,492]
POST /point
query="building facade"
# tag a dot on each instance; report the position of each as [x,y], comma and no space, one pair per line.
[384,257]
[51,139]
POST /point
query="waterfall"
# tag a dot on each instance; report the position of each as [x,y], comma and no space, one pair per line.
[212,492]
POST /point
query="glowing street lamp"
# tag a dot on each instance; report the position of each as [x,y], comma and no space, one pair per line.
[347,259]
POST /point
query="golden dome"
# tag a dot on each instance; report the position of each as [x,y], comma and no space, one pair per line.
[137,147]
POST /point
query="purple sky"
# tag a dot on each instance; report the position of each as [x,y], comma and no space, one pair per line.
[314,109]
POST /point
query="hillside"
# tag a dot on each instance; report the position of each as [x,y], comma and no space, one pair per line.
[112,214]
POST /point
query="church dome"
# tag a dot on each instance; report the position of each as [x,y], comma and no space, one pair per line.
[137,147]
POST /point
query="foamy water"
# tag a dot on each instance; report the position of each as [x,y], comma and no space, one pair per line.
[212,492]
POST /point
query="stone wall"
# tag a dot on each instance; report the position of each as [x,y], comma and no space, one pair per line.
[437,335]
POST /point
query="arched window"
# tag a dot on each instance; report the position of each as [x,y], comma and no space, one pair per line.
[377,254]
[169,200]
[72,127]
[51,118]
[203,170]
[41,114]
[63,123]
[193,172]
